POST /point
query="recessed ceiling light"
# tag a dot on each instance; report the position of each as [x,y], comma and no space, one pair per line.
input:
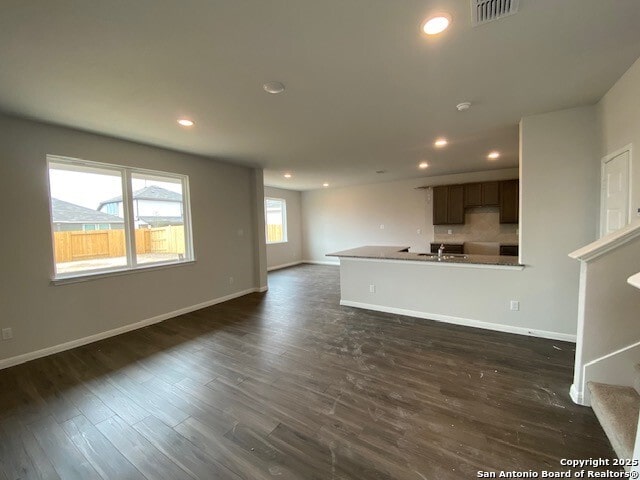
[185,122]
[436,24]
[287,175]
[325,184]
[441,142]
[463,106]
[423,165]
[493,155]
[273,87]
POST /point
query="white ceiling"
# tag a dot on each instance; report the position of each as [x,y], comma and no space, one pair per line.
[365,90]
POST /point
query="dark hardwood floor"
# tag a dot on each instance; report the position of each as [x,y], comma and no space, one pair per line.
[289,385]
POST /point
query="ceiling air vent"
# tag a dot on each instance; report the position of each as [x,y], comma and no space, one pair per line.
[484,11]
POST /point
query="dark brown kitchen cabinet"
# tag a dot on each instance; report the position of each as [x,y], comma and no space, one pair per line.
[440,205]
[448,247]
[485,194]
[509,202]
[509,250]
[473,195]
[490,194]
[456,204]
[448,205]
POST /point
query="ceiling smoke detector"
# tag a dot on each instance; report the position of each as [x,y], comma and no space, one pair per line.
[485,11]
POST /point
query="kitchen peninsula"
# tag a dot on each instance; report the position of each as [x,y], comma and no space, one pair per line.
[474,290]
[403,253]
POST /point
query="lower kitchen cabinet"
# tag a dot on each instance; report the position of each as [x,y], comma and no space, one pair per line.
[509,250]
[448,247]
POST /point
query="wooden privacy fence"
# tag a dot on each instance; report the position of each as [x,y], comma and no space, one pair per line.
[79,245]
[274,233]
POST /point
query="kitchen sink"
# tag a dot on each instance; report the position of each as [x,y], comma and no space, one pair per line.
[452,256]
[448,256]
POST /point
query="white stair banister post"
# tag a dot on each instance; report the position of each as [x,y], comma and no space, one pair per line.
[635,281]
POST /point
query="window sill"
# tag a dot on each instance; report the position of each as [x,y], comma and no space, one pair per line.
[277,243]
[113,273]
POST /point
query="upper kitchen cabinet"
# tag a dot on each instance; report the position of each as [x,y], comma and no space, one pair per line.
[483,194]
[509,207]
[490,194]
[450,201]
[473,195]
[448,205]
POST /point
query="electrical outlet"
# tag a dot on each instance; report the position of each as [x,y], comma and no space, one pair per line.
[7,334]
[372,289]
[419,231]
[230,280]
[515,305]
[382,226]
[449,232]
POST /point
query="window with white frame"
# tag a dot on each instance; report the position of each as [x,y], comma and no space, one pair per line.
[108,218]
[275,219]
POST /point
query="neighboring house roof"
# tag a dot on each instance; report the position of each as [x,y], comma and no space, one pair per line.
[65,212]
[165,220]
[148,193]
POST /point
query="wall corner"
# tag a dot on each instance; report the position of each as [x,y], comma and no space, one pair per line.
[259,240]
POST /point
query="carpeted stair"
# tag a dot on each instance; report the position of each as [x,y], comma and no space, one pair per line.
[617,410]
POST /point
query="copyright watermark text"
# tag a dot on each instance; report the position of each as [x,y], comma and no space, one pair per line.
[606,468]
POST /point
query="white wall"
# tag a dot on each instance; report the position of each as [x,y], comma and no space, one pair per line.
[559,195]
[340,218]
[619,117]
[43,315]
[279,254]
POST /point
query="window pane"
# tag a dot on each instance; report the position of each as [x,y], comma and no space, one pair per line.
[158,212]
[88,209]
[77,195]
[275,219]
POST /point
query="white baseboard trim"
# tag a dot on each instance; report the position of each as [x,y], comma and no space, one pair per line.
[325,262]
[260,289]
[284,265]
[576,395]
[565,337]
[26,357]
